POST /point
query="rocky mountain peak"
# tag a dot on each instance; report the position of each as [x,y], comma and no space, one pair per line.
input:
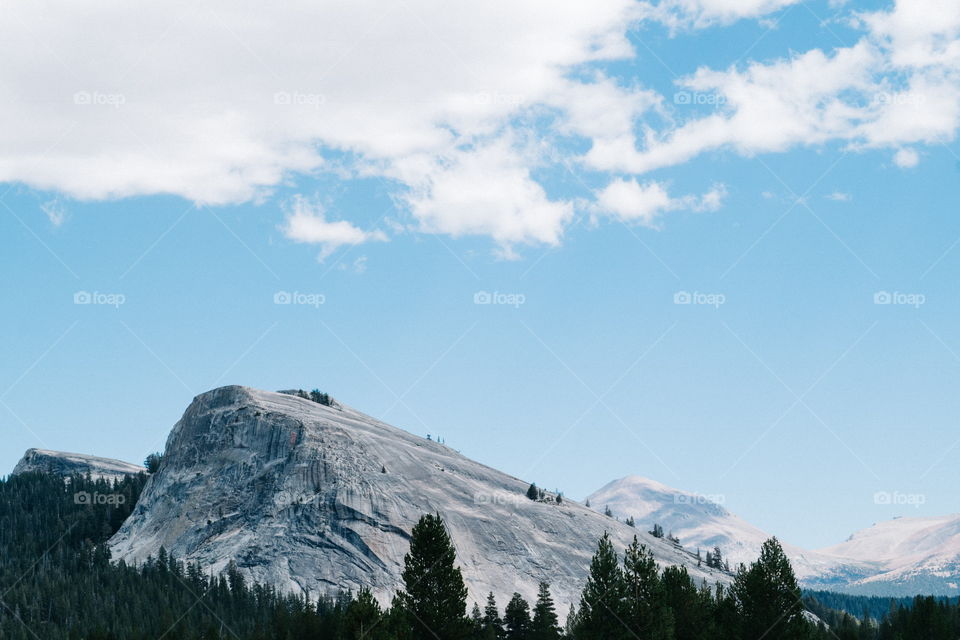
[317,498]
[66,464]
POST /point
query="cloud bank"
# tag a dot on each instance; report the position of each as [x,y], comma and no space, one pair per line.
[456,105]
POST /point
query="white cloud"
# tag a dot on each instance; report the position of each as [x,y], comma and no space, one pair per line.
[486,190]
[906,158]
[306,222]
[839,196]
[704,13]
[55,211]
[919,33]
[219,105]
[644,203]
[899,84]
[767,108]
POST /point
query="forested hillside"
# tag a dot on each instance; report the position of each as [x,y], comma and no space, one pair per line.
[57,581]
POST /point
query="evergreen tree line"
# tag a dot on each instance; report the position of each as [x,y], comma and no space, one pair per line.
[876,607]
[936,618]
[57,581]
[316,395]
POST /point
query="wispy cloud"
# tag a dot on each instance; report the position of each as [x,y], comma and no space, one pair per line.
[306,222]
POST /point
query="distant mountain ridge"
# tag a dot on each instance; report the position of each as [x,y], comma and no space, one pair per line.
[900,557]
[64,463]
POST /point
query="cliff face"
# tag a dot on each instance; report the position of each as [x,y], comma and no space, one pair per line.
[66,464]
[310,497]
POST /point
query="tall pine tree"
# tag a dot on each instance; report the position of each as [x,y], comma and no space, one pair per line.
[768,597]
[516,618]
[545,625]
[645,608]
[435,597]
[601,603]
[492,627]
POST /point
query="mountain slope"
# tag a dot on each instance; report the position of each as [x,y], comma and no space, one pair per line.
[900,557]
[915,555]
[310,497]
[65,464]
[700,522]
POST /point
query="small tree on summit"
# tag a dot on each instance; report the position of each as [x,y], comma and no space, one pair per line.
[657,531]
[533,493]
[320,398]
[153,461]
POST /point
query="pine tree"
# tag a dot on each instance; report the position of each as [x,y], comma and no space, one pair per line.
[768,597]
[532,492]
[476,620]
[492,627]
[657,531]
[685,602]
[715,559]
[545,625]
[516,618]
[363,617]
[435,596]
[630,522]
[645,610]
[601,603]
[153,461]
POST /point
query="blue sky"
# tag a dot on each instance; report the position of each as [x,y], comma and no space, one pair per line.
[807,168]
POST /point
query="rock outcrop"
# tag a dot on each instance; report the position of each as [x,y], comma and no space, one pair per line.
[66,464]
[318,498]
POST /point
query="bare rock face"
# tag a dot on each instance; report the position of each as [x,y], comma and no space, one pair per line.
[318,498]
[66,464]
